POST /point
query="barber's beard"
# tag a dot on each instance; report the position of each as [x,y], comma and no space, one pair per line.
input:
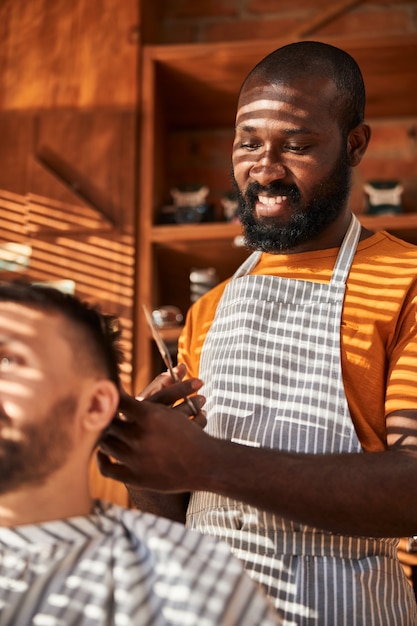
[308,220]
[29,455]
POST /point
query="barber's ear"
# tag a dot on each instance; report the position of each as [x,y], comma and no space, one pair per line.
[104,400]
[357,143]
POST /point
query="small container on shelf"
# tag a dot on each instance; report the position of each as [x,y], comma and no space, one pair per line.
[168,319]
[167,316]
[190,206]
[383,196]
[202,280]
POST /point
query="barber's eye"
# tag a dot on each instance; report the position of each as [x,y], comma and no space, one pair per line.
[297,149]
[250,146]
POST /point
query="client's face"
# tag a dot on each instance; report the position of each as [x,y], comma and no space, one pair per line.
[38,395]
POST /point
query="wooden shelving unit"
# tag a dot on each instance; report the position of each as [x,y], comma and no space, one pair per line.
[191,90]
[228,231]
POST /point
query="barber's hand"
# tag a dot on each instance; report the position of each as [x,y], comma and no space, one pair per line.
[164,390]
[162,381]
[153,446]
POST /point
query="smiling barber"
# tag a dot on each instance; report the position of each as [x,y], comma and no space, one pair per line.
[309,355]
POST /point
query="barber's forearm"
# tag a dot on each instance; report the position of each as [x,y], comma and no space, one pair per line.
[358,494]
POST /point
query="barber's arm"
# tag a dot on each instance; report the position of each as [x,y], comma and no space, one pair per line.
[373,493]
[362,494]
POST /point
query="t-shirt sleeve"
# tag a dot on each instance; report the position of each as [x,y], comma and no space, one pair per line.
[402,369]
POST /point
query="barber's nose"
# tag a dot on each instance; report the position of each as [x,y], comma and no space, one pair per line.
[267,169]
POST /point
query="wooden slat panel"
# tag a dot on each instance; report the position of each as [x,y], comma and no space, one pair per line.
[13,218]
[101,264]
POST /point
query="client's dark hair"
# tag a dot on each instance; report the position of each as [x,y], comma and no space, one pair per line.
[101,332]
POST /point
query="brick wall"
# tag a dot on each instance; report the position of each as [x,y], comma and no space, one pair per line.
[196,21]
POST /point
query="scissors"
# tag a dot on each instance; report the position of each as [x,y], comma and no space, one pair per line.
[165,354]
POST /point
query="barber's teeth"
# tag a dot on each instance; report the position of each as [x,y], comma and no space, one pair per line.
[271,200]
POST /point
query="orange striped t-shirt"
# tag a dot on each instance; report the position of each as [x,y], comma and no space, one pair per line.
[378,333]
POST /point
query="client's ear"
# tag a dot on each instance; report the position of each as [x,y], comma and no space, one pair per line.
[104,400]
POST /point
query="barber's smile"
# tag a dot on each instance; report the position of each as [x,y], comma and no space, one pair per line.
[271,206]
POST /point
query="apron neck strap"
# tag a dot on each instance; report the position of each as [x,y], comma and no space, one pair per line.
[343,262]
[347,252]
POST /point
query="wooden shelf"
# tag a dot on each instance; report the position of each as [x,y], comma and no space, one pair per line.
[226,230]
[195,232]
[400,221]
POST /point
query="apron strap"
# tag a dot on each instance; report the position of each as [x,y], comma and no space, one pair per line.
[343,262]
[347,252]
[247,265]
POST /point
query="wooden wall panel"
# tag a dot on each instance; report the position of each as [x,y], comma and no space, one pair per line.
[79,53]
[16,130]
[73,156]
[90,154]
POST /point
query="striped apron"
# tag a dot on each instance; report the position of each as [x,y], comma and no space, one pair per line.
[272,371]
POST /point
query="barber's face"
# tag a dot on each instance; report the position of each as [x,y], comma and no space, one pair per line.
[38,395]
[290,165]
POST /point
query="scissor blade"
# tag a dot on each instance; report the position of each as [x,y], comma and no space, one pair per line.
[161,345]
[164,352]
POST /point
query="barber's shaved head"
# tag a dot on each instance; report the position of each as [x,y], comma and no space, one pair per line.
[307,58]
